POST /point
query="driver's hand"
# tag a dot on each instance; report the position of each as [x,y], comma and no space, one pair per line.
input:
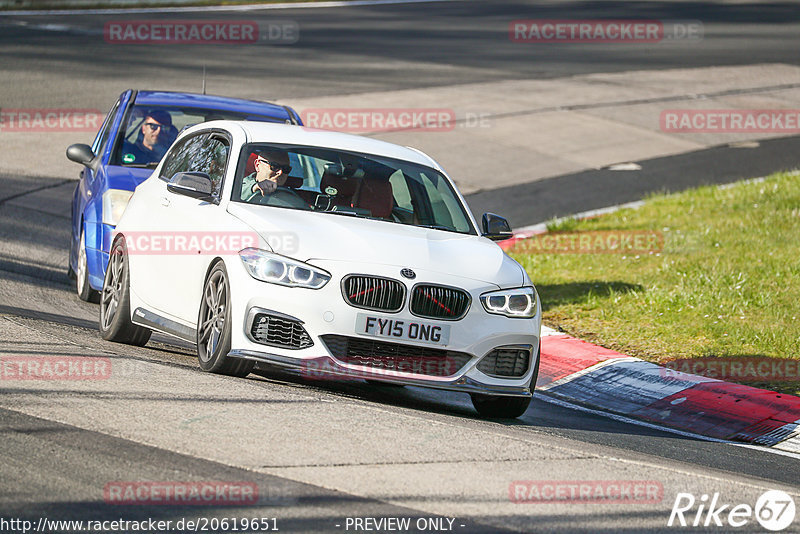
[267,187]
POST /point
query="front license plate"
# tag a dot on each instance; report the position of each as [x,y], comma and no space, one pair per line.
[402,329]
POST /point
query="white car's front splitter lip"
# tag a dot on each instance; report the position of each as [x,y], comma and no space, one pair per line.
[330,368]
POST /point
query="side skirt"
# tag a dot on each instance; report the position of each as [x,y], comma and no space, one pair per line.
[152,320]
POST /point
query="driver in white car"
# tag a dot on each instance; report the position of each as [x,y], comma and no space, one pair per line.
[271,170]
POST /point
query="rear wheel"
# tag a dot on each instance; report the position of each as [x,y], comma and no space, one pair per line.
[115,301]
[214,328]
[82,287]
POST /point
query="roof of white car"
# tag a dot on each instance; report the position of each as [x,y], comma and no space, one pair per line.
[301,135]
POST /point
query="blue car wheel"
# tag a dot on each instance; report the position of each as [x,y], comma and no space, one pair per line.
[82,287]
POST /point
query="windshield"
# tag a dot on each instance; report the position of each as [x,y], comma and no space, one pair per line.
[348,184]
[150,130]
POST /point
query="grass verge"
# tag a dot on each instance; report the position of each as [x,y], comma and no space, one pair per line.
[725,284]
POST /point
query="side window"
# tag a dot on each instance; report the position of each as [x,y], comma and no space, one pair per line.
[204,152]
[102,137]
[174,161]
[212,160]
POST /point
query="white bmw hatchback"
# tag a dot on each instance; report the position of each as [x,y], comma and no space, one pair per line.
[359,259]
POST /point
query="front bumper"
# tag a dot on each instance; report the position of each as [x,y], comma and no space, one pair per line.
[327,366]
[324,313]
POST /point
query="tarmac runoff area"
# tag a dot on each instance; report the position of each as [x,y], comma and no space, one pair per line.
[513,132]
[499,134]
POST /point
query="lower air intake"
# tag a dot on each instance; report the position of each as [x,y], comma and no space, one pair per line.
[506,362]
[279,332]
[395,357]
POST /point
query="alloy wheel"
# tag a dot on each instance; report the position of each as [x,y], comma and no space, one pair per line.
[112,289]
[213,318]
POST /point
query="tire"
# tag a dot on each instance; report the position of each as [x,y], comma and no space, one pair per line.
[214,328]
[500,407]
[82,287]
[115,301]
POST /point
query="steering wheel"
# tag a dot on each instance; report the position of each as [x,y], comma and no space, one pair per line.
[284,197]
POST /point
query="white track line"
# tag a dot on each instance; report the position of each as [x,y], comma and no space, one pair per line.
[542,227]
[190,9]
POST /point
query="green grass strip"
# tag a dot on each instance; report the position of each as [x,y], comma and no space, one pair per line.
[725,283]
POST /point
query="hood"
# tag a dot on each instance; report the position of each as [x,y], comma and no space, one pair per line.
[126,178]
[307,236]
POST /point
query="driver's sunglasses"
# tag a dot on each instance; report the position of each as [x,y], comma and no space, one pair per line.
[154,126]
[285,168]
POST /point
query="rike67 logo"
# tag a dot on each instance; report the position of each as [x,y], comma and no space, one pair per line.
[774,511]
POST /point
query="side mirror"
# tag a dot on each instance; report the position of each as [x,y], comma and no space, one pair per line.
[191,184]
[80,153]
[495,227]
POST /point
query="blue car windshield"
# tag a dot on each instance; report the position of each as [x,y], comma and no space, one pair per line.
[150,130]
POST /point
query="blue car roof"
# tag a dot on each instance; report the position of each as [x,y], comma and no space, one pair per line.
[168,98]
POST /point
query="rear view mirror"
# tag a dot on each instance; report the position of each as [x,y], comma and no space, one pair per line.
[495,227]
[334,169]
[80,153]
[191,184]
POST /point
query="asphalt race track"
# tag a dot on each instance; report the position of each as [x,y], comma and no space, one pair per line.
[320,453]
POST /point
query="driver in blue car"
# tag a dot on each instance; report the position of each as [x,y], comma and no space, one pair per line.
[150,145]
[271,171]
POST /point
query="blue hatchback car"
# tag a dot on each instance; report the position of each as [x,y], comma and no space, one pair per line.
[134,136]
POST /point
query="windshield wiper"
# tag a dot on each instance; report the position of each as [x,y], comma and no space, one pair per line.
[151,165]
[436,227]
[348,213]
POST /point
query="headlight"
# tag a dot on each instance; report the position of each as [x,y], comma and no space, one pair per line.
[520,302]
[277,269]
[114,203]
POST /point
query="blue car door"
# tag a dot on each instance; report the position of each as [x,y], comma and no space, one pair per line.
[87,204]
